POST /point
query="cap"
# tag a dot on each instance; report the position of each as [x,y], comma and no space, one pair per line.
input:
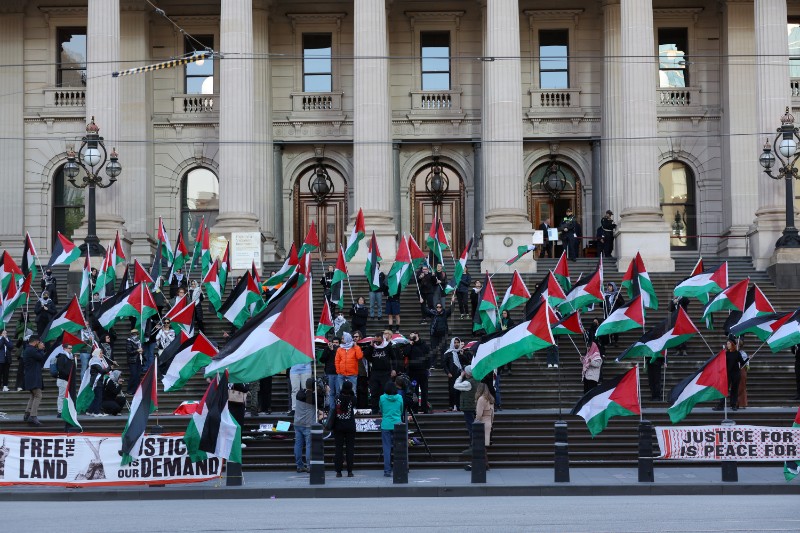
[134,330]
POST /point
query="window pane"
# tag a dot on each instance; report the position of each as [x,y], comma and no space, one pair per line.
[430,64]
[199,76]
[317,83]
[196,69]
[672,49]
[436,82]
[794,49]
[201,190]
[72,57]
[554,80]
[317,66]
[200,85]
[553,57]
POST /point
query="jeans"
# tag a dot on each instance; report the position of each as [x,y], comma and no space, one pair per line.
[375,304]
[135,368]
[62,391]
[334,388]
[149,355]
[298,382]
[97,403]
[387,437]
[302,435]
[85,356]
[469,418]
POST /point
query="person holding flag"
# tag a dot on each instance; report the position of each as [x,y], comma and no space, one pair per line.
[65,364]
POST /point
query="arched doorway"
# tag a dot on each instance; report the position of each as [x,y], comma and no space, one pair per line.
[328,213]
[676,194]
[199,198]
[553,187]
[68,205]
[448,203]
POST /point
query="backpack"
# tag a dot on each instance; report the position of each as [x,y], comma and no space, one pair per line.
[54,367]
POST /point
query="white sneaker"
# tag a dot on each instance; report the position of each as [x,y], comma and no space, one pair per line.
[244,445]
[549,366]
[103,414]
[5,389]
[555,366]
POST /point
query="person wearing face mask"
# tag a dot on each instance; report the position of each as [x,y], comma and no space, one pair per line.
[45,311]
[416,352]
[49,283]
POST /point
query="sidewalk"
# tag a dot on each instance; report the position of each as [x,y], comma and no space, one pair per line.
[440,482]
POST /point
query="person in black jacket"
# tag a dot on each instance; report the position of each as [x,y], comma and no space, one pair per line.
[453,367]
[462,293]
[416,351]
[344,428]
[359,313]
[426,283]
[135,354]
[65,363]
[682,302]
[49,283]
[113,400]
[98,368]
[6,351]
[328,358]
[733,363]
[380,353]
[327,283]
[440,284]
[608,226]
[33,358]
[45,311]
[439,328]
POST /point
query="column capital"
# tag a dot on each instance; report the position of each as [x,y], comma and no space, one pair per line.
[609,3]
[12,7]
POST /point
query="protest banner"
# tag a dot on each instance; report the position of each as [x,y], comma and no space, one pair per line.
[89,459]
[729,443]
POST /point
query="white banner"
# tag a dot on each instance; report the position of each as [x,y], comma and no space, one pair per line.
[85,459]
[729,443]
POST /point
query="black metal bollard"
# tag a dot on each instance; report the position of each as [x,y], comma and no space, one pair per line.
[561,460]
[317,463]
[400,454]
[646,474]
[730,470]
[478,453]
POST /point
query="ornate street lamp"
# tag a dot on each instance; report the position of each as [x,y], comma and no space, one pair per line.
[554,180]
[91,157]
[784,148]
[436,182]
[320,183]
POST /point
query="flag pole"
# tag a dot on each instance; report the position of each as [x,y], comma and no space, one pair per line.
[194,249]
[705,341]
[639,393]
[664,378]
[347,271]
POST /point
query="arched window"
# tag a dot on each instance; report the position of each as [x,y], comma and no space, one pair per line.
[676,194]
[67,205]
[199,198]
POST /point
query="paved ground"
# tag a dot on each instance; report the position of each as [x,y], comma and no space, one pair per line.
[465,515]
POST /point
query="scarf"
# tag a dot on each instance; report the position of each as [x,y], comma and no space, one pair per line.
[452,349]
[98,359]
[591,355]
[381,346]
[347,341]
[338,322]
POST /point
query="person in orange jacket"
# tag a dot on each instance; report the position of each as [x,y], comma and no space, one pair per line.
[348,357]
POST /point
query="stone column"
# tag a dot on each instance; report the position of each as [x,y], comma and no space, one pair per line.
[237,191]
[136,181]
[642,226]
[739,152]
[612,108]
[397,194]
[12,128]
[263,171]
[506,225]
[277,193]
[477,179]
[597,187]
[772,97]
[372,138]
[103,102]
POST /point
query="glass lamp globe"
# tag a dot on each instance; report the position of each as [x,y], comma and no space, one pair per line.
[788,147]
[91,156]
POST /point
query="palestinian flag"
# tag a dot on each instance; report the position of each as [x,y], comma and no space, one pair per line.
[358,233]
[523,339]
[616,397]
[58,347]
[325,320]
[197,249]
[561,272]
[756,305]
[521,251]
[710,382]
[437,241]
[587,291]
[155,272]
[205,251]
[29,258]
[277,338]
[86,281]
[637,281]
[106,275]
[760,326]
[224,268]
[787,333]
[554,292]
[416,253]
[337,283]
[212,287]
[124,281]
[64,252]
[69,413]
[14,299]
[163,242]
[140,275]
[144,402]
[222,434]
[135,302]
[181,315]
[195,429]
[703,285]
[792,469]
[486,317]
[86,391]
[288,268]
[9,271]
[569,325]
[732,297]
[669,333]
[117,252]
[181,360]
[516,294]
[70,319]
[237,308]
[179,257]
[371,270]
[460,267]
[304,267]
[401,271]
[311,242]
[623,319]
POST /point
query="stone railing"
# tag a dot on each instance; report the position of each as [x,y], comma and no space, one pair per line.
[794,84]
[66,98]
[554,99]
[436,100]
[677,97]
[316,102]
[195,104]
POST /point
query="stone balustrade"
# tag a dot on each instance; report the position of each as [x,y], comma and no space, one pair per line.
[195,104]
[67,98]
[316,102]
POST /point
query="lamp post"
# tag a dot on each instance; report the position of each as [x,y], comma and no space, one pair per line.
[436,182]
[784,148]
[554,180]
[320,183]
[91,157]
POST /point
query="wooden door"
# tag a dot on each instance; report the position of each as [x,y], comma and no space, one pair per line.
[330,216]
[452,217]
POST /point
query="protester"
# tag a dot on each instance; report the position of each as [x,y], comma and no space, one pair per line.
[327,283]
[383,368]
[237,400]
[466,383]
[344,428]
[682,302]
[393,311]
[87,338]
[45,311]
[453,369]
[298,375]
[475,296]
[591,362]
[135,356]
[108,350]
[358,316]
[177,283]
[376,296]
[733,362]
[425,283]
[305,416]
[6,352]
[416,353]
[654,378]
[341,325]
[439,329]
[484,412]
[440,284]
[612,300]
[552,356]
[347,360]
[33,358]
[65,363]
[49,284]
[505,323]
[113,400]
[165,335]
[544,249]
[362,381]
[328,359]
[22,335]
[391,406]
[265,396]
[743,370]
[97,371]
[196,295]
[462,293]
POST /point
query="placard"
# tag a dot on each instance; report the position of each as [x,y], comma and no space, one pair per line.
[364,425]
[538,236]
[729,443]
[245,248]
[85,459]
[552,234]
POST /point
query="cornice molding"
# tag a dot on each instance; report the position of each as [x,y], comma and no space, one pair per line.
[553,14]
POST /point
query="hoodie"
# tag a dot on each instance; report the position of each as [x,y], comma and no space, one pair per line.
[391,411]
